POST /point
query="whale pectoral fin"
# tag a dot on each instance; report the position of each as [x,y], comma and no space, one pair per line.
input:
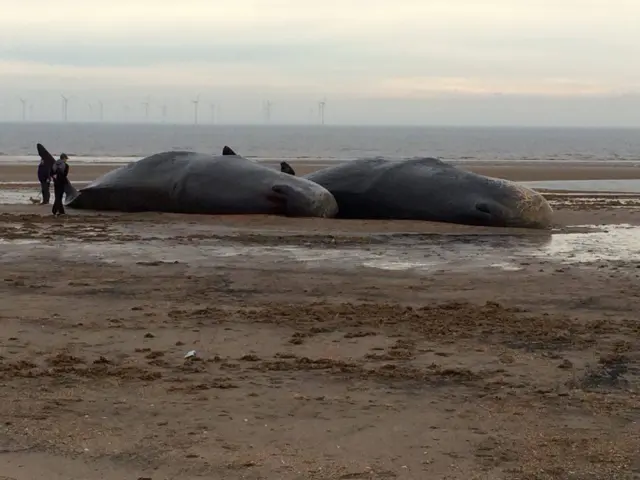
[286,168]
[491,212]
[228,151]
[483,207]
[278,197]
[280,190]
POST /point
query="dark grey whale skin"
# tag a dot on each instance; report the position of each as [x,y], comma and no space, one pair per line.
[430,189]
[191,182]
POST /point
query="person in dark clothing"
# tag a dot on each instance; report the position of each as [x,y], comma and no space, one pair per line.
[44,176]
[59,173]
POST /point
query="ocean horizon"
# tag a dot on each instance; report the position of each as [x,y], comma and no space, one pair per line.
[117,143]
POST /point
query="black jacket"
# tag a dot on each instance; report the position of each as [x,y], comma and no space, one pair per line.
[60,171]
[44,172]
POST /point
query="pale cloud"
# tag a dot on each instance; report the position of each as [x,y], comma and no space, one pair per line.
[391,49]
[418,87]
[198,75]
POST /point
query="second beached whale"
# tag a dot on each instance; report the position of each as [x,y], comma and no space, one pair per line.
[429,189]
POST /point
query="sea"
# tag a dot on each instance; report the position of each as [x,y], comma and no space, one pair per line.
[123,143]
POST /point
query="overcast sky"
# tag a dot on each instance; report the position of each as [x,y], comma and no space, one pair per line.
[549,62]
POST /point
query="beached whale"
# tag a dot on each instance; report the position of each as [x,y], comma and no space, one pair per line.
[429,189]
[190,182]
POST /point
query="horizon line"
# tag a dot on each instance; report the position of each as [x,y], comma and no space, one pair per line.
[318,125]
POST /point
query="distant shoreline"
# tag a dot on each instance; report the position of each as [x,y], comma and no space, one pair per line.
[116,161]
[189,123]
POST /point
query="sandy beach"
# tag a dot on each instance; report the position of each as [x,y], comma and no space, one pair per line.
[324,349]
[525,172]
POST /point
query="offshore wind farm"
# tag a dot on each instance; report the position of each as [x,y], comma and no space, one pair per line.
[81,109]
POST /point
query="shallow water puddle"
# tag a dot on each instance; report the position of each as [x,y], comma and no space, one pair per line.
[10,197]
[417,253]
[22,196]
[613,242]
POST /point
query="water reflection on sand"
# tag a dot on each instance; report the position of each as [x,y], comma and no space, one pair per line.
[419,252]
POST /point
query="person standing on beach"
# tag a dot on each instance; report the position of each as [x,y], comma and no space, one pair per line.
[44,176]
[59,172]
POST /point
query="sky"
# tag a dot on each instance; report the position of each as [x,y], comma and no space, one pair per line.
[430,62]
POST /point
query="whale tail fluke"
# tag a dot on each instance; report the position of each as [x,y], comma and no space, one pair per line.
[44,154]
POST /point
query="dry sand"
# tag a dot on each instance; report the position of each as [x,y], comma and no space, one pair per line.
[308,372]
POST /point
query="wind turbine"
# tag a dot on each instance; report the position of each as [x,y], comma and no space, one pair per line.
[65,104]
[145,104]
[321,105]
[267,110]
[24,108]
[164,113]
[101,110]
[195,109]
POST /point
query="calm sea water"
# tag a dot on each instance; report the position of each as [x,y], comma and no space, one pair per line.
[123,143]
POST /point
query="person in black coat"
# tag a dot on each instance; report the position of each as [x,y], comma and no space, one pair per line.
[59,173]
[44,177]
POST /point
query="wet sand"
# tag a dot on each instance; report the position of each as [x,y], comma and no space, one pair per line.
[325,349]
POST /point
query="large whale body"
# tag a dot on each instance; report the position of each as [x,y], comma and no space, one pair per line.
[430,189]
[190,182]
